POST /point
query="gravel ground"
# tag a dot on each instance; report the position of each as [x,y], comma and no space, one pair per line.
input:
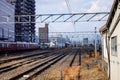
[55,72]
[93,71]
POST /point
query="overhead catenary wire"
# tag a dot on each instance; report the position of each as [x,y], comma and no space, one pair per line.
[70,11]
[68,6]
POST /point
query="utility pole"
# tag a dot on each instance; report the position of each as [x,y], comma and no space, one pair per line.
[95,45]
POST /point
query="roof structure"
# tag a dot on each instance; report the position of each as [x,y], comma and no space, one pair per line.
[112,12]
[103,28]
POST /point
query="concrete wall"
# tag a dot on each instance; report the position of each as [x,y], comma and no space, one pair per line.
[115,59]
[6,30]
[104,48]
[105,53]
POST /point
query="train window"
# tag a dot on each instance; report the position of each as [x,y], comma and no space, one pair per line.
[6,45]
[2,45]
[17,45]
[11,45]
[114,45]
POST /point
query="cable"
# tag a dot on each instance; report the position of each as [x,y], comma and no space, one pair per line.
[68,6]
[70,11]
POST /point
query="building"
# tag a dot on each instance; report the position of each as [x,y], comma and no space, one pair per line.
[24,32]
[113,25]
[11,1]
[43,34]
[103,31]
[6,30]
[113,41]
[57,42]
[85,41]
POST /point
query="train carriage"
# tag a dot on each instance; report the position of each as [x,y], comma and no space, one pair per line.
[17,46]
[1,47]
[11,46]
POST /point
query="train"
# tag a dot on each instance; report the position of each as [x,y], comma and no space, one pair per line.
[17,46]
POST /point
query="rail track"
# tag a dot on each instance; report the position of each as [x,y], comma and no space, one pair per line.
[33,64]
[76,60]
[56,71]
[23,56]
[39,67]
[17,62]
[30,66]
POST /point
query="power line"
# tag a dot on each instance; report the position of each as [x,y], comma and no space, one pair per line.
[68,6]
[70,10]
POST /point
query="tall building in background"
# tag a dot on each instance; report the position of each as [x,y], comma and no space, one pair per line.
[6,30]
[85,41]
[24,32]
[43,34]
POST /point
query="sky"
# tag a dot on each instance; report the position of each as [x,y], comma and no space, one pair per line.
[76,6]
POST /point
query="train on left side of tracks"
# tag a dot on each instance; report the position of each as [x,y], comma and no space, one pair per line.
[17,46]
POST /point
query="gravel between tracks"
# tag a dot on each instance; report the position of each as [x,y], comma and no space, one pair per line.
[56,71]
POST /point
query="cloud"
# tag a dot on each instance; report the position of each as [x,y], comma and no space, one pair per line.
[59,6]
[100,6]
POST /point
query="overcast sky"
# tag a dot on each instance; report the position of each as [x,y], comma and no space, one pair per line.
[76,6]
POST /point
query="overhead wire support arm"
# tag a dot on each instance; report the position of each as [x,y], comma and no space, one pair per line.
[69,18]
[43,18]
[80,18]
[57,18]
[46,18]
[103,17]
[37,16]
[91,17]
